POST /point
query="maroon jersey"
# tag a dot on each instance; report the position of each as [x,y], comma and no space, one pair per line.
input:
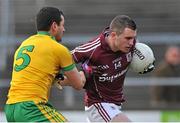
[107,87]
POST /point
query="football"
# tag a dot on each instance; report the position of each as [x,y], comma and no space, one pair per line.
[143,58]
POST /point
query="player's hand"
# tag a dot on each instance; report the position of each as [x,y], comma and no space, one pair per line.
[149,68]
[57,82]
[59,76]
[91,70]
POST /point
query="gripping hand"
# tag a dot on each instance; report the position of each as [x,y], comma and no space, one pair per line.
[148,69]
[91,70]
[59,77]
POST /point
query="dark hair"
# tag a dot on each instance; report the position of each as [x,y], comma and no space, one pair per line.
[46,16]
[120,22]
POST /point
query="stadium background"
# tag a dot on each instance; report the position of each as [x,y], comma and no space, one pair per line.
[158,26]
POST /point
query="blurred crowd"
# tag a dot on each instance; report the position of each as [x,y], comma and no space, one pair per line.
[168,67]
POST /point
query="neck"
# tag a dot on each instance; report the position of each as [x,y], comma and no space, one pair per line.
[46,33]
[109,42]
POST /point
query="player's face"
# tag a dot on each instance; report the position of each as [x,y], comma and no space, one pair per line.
[125,40]
[60,30]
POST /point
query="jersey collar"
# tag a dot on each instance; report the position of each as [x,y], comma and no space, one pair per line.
[103,37]
[45,33]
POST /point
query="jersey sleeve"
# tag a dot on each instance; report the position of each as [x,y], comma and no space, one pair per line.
[81,53]
[65,59]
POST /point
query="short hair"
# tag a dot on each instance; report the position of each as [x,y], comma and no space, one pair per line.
[46,16]
[120,22]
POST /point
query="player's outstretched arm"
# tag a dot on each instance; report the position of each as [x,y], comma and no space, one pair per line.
[74,78]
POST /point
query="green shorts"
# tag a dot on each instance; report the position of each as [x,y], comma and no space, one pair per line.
[31,112]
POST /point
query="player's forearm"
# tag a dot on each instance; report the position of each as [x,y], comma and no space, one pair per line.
[73,78]
[65,82]
[79,83]
[83,78]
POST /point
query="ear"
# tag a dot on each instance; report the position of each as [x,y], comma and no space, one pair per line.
[113,35]
[53,26]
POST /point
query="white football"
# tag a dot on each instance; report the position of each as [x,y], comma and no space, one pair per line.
[143,58]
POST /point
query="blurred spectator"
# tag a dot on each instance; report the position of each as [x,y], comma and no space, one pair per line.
[169,67]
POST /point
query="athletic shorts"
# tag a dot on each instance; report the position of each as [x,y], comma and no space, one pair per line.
[30,111]
[102,112]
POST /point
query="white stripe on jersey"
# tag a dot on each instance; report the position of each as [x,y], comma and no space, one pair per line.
[81,51]
[72,51]
[82,48]
[75,58]
[89,43]
[88,46]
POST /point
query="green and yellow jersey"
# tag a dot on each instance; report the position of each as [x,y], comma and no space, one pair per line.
[36,63]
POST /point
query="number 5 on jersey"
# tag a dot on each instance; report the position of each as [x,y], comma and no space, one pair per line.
[22,54]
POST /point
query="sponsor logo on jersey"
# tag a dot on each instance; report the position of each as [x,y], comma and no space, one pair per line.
[106,78]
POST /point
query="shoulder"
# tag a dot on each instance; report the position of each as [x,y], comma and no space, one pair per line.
[89,46]
[60,47]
